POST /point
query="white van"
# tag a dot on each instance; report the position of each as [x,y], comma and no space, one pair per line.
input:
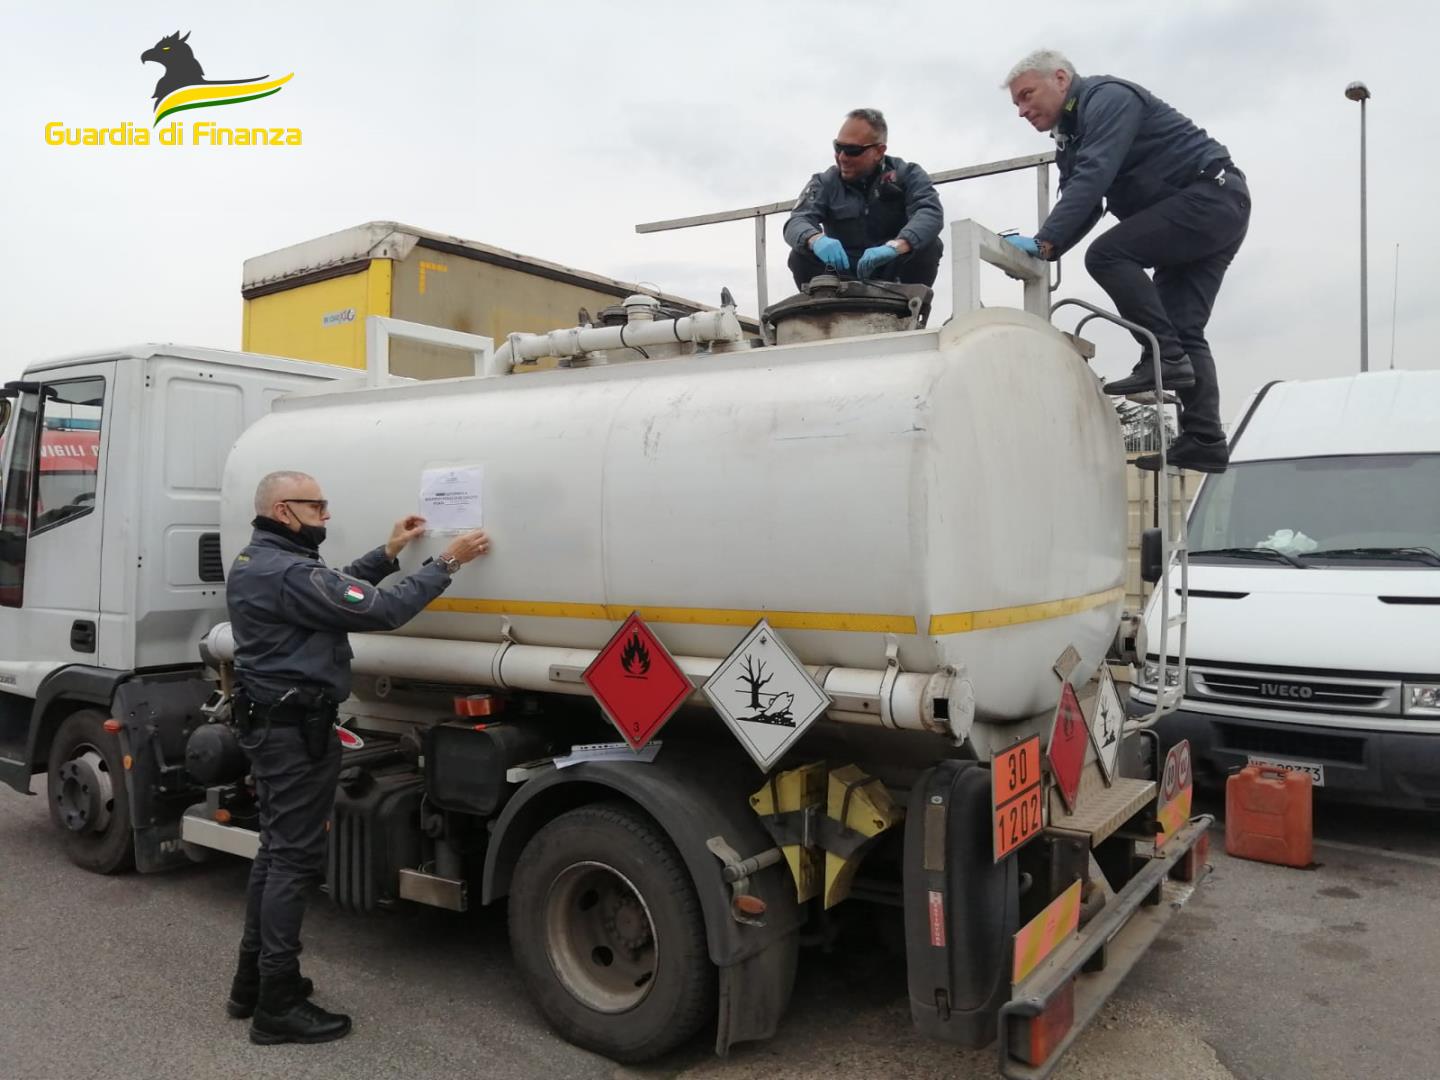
[1314,626]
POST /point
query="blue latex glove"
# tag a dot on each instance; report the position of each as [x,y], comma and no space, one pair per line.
[874,258]
[1026,244]
[831,252]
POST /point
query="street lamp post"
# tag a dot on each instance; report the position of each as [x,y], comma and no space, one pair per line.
[1358,91]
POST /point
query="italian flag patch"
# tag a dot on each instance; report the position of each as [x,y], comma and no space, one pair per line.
[354,594]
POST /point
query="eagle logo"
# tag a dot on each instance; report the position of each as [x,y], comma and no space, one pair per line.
[184,85]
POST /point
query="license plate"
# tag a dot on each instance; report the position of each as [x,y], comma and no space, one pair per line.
[1317,772]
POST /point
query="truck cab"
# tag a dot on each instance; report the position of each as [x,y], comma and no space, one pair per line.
[1315,593]
[110,528]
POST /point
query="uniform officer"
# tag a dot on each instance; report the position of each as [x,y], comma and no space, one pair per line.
[876,214]
[290,614]
[1183,208]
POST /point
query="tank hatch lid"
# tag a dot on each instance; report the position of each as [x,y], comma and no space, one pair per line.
[826,295]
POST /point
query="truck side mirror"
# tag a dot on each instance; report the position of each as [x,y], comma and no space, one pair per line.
[1152,565]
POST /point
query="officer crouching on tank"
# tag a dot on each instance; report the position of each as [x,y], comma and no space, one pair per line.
[290,614]
[880,216]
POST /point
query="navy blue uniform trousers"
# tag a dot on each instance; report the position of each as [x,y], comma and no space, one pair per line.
[297,800]
[1189,239]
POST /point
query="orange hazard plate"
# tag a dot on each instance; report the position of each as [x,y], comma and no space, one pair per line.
[1015,791]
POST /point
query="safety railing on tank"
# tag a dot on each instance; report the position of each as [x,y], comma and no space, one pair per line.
[759,214]
[380,331]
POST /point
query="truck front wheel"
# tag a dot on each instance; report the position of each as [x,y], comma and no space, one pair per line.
[608,934]
[88,800]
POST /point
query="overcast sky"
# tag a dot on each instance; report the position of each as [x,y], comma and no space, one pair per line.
[553,128]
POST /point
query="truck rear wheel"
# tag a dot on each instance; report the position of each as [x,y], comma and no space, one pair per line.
[88,800]
[608,934]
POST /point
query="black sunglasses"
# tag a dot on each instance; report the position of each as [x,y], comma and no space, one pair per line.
[320,504]
[853,149]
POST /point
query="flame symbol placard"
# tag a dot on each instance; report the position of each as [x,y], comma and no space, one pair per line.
[634,658]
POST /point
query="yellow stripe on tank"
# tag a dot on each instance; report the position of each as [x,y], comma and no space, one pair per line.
[849,622]
[963,622]
[781,620]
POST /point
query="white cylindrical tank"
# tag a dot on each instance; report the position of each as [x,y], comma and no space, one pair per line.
[957,494]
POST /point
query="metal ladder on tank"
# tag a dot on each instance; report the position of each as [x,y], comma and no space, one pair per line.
[1174,542]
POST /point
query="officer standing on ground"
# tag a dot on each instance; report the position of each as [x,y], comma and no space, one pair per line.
[1183,208]
[290,614]
[875,214]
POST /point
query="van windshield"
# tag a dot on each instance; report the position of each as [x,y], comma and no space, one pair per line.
[1357,510]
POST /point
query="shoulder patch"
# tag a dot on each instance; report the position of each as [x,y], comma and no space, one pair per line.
[242,557]
[340,590]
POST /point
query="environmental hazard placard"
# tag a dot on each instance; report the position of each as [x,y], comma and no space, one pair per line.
[765,695]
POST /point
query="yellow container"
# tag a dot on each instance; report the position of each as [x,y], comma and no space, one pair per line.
[310,301]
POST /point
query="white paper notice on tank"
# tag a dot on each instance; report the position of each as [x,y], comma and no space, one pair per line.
[765,695]
[451,498]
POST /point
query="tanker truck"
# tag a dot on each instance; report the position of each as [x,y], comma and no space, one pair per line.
[771,628]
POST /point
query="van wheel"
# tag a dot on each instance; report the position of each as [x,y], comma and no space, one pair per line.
[608,934]
[88,800]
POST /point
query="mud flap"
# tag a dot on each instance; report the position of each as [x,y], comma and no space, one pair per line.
[755,993]
[157,713]
[961,907]
[15,720]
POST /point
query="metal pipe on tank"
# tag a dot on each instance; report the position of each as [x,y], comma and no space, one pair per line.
[940,703]
[722,325]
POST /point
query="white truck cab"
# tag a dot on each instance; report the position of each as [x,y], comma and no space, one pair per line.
[110,548]
[1314,617]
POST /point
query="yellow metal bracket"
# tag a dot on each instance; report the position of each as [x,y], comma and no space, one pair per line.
[830,819]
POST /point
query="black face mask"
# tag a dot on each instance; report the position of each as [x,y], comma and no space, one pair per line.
[312,535]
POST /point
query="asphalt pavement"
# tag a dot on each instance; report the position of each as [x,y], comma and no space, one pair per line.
[1267,974]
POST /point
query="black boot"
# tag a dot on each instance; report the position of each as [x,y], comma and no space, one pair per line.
[1189,452]
[283,1016]
[1175,374]
[245,987]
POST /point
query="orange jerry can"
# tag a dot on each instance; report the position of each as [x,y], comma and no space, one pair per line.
[1268,816]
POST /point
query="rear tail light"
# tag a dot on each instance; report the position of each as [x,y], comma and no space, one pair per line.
[479,705]
[1034,1039]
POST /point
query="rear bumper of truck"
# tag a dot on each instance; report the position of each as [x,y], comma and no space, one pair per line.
[1381,768]
[1059,996]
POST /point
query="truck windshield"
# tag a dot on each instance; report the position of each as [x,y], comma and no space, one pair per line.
[1351,511]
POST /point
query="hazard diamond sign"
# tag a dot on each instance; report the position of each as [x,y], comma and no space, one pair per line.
[765,695]
[1068,739]
[637,682]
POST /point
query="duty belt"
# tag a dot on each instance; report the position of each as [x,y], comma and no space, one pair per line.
[285,714]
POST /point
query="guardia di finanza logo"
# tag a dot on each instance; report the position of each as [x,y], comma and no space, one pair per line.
[182,88]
